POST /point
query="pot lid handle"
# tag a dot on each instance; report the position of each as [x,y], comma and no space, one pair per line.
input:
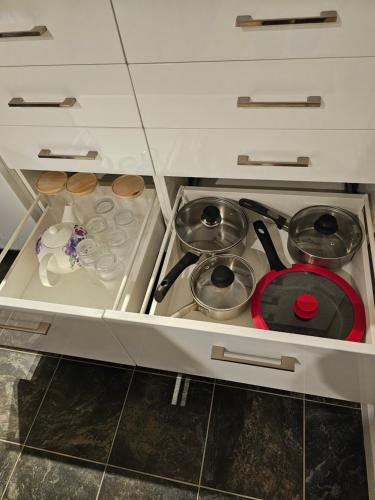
[305,306]
[326,224]
[211,216]
[222,276]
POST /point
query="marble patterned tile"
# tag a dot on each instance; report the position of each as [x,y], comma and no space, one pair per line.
[8,456]
[24,378]
[159,438]
[81,410]
[335,459]
[331,401]
[218,495]
[45,476]
[120,484]
[255,445]
[260,388]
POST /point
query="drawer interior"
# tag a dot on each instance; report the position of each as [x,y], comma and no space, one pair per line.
[357,272]
[82,288]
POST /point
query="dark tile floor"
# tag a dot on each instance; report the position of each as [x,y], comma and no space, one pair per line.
[71,429]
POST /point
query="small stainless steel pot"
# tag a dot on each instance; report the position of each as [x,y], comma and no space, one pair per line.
[221,287]
[205,227]
[320,235]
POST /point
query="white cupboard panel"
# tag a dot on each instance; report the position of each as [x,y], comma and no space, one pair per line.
[204,95]
[81,32]
[169,31]
[334,155]
[119,150]
[103,93]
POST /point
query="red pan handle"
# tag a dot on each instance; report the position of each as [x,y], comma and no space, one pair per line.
[268,246]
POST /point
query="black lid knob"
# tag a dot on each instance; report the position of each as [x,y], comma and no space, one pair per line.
[211,216]
[222,276]
[326,224]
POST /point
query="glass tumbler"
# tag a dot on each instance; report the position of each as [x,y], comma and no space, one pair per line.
[108,267]
[125,219]
[105,207]
[97,228]
[117,241]
[87,253]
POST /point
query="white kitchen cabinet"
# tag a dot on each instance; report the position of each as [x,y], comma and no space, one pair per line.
[258,94]
[71,96]
[179,31]
[329,155]
[327,367]
[67,32]
[113,150]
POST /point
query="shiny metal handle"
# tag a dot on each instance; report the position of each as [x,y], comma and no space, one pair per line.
[302,161]
[329,16]
[40,329]
[19,102]
[46,153]
[313,101]
[36,31]
[286,363]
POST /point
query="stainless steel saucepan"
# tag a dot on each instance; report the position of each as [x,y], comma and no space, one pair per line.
[221,287]
[320,235]
[205,227]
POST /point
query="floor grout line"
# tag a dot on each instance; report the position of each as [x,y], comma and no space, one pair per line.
[206,440]
[31,426]
[60,454]
[115,434]
[223,384]
[239,495]
[174,375]
[156,476]
[97,363]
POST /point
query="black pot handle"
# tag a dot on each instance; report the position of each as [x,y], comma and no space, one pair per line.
[280,221]
[162,289]
[268,246]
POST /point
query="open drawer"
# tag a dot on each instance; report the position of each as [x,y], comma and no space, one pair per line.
[237,351]
[67,318]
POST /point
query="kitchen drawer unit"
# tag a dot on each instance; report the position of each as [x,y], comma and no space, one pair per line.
[292,94]
[36,32]
[72,149]
[67,318]
[289,155]
[87,95]
[327,367]
[244,29]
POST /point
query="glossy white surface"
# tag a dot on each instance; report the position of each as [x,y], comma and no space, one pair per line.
[82,32]
[336,155]
[168,31]
[119,150]
[104,96]
[204,95]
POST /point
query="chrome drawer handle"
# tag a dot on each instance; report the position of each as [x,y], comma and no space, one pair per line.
[313,101]
[41,328]
[19,102]
[46,153]
[329,16]
[286,363]
[302,161]
[36,31]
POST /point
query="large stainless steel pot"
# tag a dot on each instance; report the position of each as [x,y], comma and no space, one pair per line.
[206,227]
[321,235]
[221,287]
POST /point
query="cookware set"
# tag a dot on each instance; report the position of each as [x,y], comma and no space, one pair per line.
[307,298]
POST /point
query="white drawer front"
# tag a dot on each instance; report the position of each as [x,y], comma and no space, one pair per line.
[81,32]
[103,94]
[87,337]
[206,31]
[334,155]
[205,95]
[118,150]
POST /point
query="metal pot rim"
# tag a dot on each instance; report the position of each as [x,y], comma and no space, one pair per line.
[347,213]
[226,201]
[214,309]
